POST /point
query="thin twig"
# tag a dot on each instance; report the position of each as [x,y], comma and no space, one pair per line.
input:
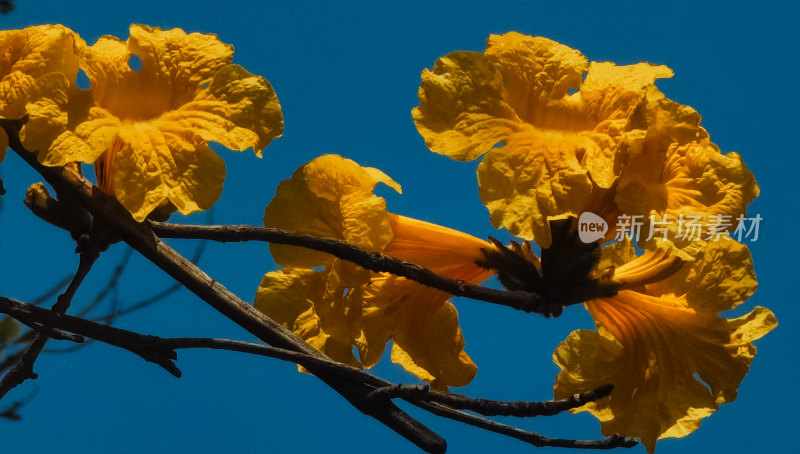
[614,441]
[23,369]
[488,407]
[10,360]
[52,291]
[12,411]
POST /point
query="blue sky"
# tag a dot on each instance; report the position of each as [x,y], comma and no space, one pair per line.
[347,76]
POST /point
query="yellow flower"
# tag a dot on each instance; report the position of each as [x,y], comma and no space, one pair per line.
[33,59]
[675,173]
[558,144]
[559,135]
[671,358]
[343,305]
[147,131]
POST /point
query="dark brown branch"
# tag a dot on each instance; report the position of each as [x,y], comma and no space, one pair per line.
[524,301]
[489,407]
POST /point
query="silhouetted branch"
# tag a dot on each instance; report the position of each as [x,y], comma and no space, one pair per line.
[488,407]
[373,261]
[6,6]
[614,441]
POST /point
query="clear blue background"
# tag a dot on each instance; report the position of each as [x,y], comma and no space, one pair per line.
[347,76]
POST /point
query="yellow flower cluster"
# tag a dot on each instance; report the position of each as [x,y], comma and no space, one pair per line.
[342,305]
[558,144]
[559,136]
[146,130]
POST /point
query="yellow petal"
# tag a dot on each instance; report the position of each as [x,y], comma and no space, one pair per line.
[537,176]
[149,128]
[151,168]
[462,113]
[316,305]
[329,197]
[613,92]
[174,67]
[245,106]
[663,345]
[424,325]
[720,278]
[535,71]
[39,50]
[285,294]
[54,106]
[87,142]
[44,52]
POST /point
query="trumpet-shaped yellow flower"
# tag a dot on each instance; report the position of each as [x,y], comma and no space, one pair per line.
[344,306]
[34,59]
[671,358]
[550,135]
[558,143]
[147,130]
